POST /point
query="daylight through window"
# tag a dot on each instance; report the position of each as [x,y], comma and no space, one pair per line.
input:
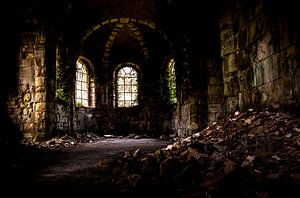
[127,87]
[172,81]
[84,87]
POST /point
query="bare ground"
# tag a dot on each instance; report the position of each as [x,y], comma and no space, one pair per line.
[74,169]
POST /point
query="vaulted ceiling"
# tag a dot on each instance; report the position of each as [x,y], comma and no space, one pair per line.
[112,31]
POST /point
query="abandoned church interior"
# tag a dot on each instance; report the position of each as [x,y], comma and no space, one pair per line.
[205,77]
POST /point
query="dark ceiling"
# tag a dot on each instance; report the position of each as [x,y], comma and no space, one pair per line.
[75,22]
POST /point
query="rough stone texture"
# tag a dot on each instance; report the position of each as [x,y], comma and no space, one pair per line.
[262,64]
[27,106]
[215,92]
[259,65]
[183,120]
[63,118]
[85,120]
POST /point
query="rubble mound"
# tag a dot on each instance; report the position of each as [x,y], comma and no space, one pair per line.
[64,141]
[248,154]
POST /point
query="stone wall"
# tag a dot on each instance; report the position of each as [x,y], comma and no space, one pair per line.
[89,120]
[63,118]
[205,102]
[84,120]
[215,101]
[182,120]
[27,105]
[260,52]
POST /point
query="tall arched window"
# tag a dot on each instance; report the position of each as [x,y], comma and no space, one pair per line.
[84,87]
[126,86]
[172,81]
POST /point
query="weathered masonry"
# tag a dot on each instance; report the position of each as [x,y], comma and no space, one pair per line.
[147,67]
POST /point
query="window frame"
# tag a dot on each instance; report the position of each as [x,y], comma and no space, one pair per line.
[171,81]
[89,101]
[132,102]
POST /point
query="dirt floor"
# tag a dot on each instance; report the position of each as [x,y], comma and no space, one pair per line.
[248,154]
[74,169]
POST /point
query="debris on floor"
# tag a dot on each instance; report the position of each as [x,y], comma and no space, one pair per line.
[248,154]
[77,139]
[65,140]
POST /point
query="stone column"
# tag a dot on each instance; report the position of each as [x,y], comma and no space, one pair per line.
[28,105]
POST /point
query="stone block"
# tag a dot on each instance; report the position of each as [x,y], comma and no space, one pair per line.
[214,81]
[245,102]
[37,71]
[275,66]
[227,90]
[265,47]
[40,97]
[215,108]
[193,100]
[226,34]
[124,20]
[39,82]
[228,47]
[215,90]
[26,73]
[215,99]
[258,75]
[231,62]
[114,20]
[232,103]
[262,48]
[211,117]
[40,106]
[246,79]
[267,70]
[193,108]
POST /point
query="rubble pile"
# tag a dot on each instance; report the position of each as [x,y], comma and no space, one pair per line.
[266,142]
[248,154]
[65,141]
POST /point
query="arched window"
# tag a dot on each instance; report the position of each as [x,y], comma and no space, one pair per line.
[84,87]
[126,86]
[172,81]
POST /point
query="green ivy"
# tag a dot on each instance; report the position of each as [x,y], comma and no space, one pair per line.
[60,95]
[79,104]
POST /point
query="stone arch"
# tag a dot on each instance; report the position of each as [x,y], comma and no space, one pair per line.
[125,20]
[120,21]
[88,62]
[137,34]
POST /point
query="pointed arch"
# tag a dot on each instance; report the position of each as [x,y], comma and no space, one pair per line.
[84,84]
[114,34]
[126,87]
